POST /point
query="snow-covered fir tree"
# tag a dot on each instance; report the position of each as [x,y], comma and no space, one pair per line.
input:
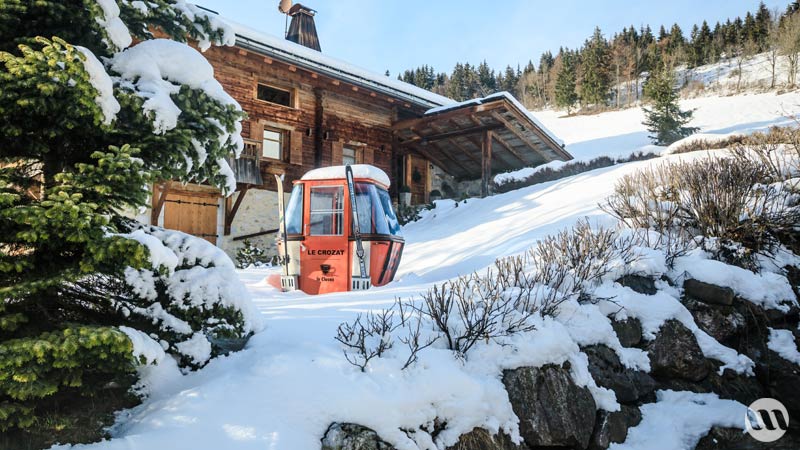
[88,122]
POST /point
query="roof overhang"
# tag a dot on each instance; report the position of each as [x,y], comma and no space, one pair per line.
[452,137]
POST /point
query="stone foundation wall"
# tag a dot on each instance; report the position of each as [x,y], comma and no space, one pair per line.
[258,212]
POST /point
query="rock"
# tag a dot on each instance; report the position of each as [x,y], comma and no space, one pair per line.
[613,427]
[350,436]
[732,386]
[735,439]
[629,331]
[480,439]
[552,410]
[640,284]
[674,353]
[607,371]
[721,322]
[708,293]
[781,379]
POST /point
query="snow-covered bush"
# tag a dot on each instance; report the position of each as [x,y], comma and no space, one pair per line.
[777,151]
[189,299]
[251,254]
[720,204]
[577,259]
[372,334]
[479,307]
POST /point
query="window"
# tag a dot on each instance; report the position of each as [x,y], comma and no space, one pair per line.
[348,156]
[375,214]
[327,210]
[274,95]
[294,211]
[273,142]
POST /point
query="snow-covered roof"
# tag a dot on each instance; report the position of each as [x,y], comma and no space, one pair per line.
[494,97]
[338,172]
[287,51]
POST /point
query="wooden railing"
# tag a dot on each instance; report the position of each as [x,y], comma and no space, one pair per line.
[252,150]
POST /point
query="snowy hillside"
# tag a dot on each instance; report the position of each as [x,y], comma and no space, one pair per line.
[292,380]
[619,134]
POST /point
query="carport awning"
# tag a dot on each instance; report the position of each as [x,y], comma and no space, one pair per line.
[455,138]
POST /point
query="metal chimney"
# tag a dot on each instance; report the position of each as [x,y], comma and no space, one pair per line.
[302,30]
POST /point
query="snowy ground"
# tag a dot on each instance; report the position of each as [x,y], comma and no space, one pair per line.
[292,381]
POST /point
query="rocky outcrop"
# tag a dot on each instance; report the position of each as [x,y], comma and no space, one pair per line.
[781,379]
[674,353]
[480,439]
[721,322]
[640,284]
[708,293]
[552,409]
[555,413]
[629,331]
[734,439]
[607,371]
[613,427]
[350,436]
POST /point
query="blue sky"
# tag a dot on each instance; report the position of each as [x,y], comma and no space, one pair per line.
[402,34]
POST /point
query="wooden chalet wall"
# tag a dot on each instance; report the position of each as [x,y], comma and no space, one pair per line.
[327,115]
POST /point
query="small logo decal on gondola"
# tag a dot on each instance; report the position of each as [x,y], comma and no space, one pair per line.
[326,252]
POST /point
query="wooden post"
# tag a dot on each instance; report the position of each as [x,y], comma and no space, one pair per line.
[486,162]
[160,193]
[231,213]
[319,125]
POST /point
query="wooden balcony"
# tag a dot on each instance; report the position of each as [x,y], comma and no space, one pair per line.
[246,168]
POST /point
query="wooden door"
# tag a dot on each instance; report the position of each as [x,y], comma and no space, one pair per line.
[324,265]
[192,213]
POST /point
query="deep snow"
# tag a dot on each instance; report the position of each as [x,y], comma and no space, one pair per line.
[292,381]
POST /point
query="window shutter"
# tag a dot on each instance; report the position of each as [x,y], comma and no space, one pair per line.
[336,153]
[296,150]
[369,155]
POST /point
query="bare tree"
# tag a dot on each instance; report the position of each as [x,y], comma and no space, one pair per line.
[743,52]
[773,42]
[789,43]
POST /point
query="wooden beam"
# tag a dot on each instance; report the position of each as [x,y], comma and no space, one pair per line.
[230,214]
[509,148]
[511,127]
[268,60]
[451,134]
[292,68]
[486,162]
[458,163]
[459,146]
[163,190]
[429,157]
[501,141]
[455,112]
[542,135]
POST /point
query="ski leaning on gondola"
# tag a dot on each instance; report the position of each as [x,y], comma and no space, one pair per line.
[361,282]
[288,282]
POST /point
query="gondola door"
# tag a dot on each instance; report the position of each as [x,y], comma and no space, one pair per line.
[325,266]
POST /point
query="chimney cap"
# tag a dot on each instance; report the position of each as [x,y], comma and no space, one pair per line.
[298,8]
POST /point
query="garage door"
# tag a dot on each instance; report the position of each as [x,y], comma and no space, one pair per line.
[192,213]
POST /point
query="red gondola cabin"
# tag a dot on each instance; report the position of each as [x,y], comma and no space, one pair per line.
[321,242]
